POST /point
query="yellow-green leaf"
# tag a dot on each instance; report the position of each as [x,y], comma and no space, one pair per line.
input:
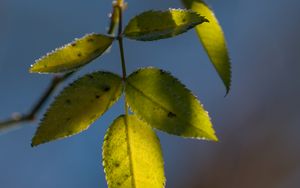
[154,25]
[73,55]
[78,106]
[132,156]
[162,101]
[213,40]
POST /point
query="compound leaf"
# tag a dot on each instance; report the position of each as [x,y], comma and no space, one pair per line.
[154,25]
[78,106]
[132,156]
[73,55]
[213,40]
[162,101]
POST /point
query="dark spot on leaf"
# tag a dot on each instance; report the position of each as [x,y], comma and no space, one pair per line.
[68,101]
[183,20]
[90,40]
[45,66]
[97,96]
[98,50]
[79,54]
[106,88]
[117,165]
[171,115]
[73,44]
[68,119]
[91,76]
[118,183]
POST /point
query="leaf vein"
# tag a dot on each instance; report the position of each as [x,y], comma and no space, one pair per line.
[164,108]
[129,152]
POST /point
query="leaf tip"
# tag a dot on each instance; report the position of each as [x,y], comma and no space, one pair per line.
[227,84]
[214,138]
[227,90]
[37,139]
[33,143]
[31,69]
[34,68]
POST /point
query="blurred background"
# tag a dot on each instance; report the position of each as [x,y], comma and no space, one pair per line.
[257,123]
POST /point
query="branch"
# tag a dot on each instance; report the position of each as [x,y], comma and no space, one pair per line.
[8,124]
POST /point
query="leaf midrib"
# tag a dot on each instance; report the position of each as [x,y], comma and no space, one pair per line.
[165,109]
[167,28]
[129,152]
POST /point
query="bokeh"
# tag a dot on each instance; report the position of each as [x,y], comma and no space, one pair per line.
[257,123]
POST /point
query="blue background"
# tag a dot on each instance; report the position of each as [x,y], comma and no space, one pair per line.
[257,123]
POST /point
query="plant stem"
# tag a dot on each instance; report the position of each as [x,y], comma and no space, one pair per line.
[122,59]
[121,47]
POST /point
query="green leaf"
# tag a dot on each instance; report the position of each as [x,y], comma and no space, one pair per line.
[78,106]
[154,25]
[132,156]
[162,101]
[73,55]
[213,40]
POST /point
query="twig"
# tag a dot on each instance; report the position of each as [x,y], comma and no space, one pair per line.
[19,118]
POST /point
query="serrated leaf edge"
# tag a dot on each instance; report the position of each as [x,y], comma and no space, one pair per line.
[65,46]
[215,138]
[193,24]
[69,85]
[105,139]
